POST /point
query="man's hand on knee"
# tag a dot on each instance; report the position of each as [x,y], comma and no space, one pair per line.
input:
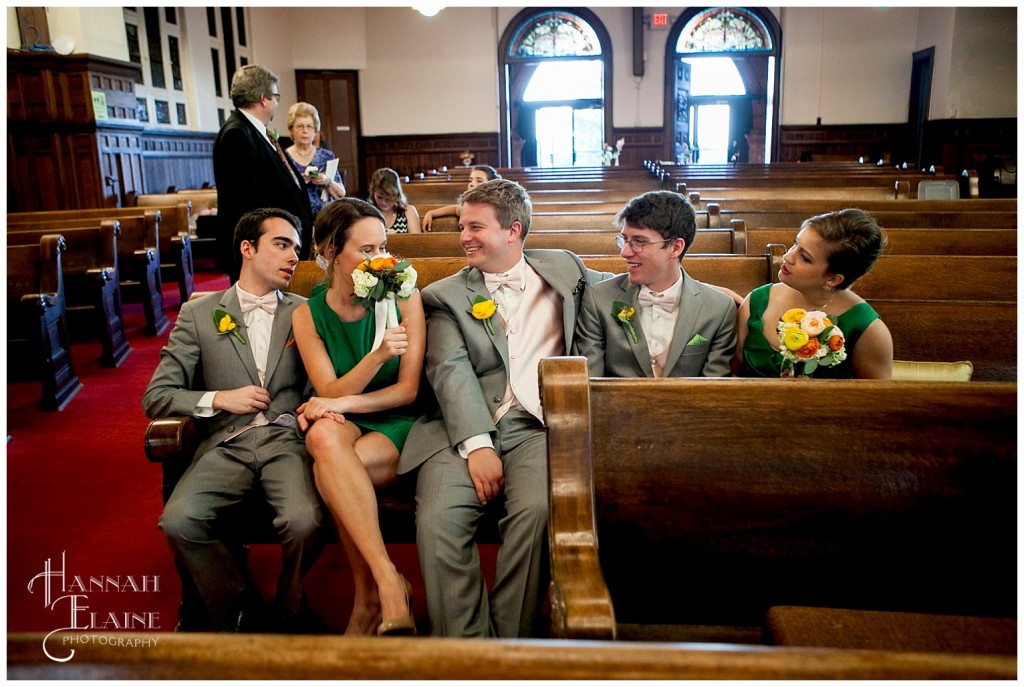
[487,473]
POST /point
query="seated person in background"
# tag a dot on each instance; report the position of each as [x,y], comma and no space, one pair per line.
[229,365]
[478,175]
[656,320]
[830,253]
[304,127]
[363,410]
[489,326]
[387,195]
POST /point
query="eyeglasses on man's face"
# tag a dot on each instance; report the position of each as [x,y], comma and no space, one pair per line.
[636,245]
[275,96]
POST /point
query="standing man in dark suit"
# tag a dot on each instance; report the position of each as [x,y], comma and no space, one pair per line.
[232,364]
[490,324]
[248,166]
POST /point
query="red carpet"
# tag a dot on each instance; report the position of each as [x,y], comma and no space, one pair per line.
[79,486]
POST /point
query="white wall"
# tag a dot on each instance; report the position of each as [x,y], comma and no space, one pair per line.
[439,74]
[983,78]
[429,74]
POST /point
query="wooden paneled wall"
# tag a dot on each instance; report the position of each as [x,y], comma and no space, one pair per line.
[873,142]
[183,159]
[411,155]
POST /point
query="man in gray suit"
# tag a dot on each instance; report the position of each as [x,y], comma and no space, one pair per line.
[656,320]
[232,365]
[489,325]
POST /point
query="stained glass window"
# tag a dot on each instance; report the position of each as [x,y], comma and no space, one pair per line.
[724,29]
[555,34]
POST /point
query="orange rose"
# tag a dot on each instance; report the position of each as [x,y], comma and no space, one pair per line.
[835,342]
[808,350]
[384,261]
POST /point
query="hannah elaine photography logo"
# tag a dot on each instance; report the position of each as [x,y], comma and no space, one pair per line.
[72,596]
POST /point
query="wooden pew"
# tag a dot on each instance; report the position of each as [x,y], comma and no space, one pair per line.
[886,218]
[932,277]
[901,240]
[696,503]
[37,336]
[809,208]
[582,242]
[90,273]
[138,248]
[198,656]
[171,222]
[983,332]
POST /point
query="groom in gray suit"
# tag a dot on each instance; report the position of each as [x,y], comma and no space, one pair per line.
[656,320]
[486,446]
[231,363]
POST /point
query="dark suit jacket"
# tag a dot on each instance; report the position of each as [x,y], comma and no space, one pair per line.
[249,175]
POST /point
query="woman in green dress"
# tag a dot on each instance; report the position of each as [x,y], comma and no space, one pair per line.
[363,409]
[830,253]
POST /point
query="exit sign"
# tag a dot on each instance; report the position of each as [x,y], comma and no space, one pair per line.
[659,20]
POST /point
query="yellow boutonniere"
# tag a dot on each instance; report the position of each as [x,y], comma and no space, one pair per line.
[483,309]
[227,324]
[624,313]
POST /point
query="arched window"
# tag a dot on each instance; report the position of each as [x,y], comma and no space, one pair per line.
[555,74]
[713,122]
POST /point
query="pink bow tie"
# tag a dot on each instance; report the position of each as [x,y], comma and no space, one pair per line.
[647,298]
[249,302]
[513,280]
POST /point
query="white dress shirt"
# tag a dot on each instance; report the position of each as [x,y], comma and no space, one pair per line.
[659,325]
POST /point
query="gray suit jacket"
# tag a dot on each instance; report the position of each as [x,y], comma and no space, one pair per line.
[198,359]
[610,350]
[466,366]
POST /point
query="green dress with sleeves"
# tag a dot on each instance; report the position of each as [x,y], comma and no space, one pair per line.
[762,359]
[347,343]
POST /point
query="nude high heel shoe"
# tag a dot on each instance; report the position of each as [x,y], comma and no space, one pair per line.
[403,626]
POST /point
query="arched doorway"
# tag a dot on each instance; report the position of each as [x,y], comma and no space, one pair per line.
[555,80]
[751,39]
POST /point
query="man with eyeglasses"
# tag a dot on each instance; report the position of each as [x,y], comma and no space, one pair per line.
[656,320]
[249,168]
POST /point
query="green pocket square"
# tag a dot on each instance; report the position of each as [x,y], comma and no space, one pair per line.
[697,340]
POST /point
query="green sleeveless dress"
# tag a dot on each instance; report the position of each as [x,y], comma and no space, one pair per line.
[347,343]
[762,359]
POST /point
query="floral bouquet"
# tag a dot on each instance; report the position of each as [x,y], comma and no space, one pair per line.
[810,338]
[311,171]
[467,158]
[609,154]
[377,281]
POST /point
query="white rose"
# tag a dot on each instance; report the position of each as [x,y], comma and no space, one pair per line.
[408,281]
[813,322]
[363,282]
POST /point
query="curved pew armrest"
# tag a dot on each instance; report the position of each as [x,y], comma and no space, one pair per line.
[580,601]
[170,438]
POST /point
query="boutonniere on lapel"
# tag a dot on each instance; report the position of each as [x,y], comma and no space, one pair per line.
[483,309]
[274,136]
[227,324]
[581,286]
[624,313]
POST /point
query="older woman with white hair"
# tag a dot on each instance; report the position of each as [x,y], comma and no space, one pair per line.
[309,160]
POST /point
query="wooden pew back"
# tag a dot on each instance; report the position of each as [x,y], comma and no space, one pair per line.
[138,248]
[712,500]
[741,273]
[581,242]
[38,344]
[195,656]
[901,241]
